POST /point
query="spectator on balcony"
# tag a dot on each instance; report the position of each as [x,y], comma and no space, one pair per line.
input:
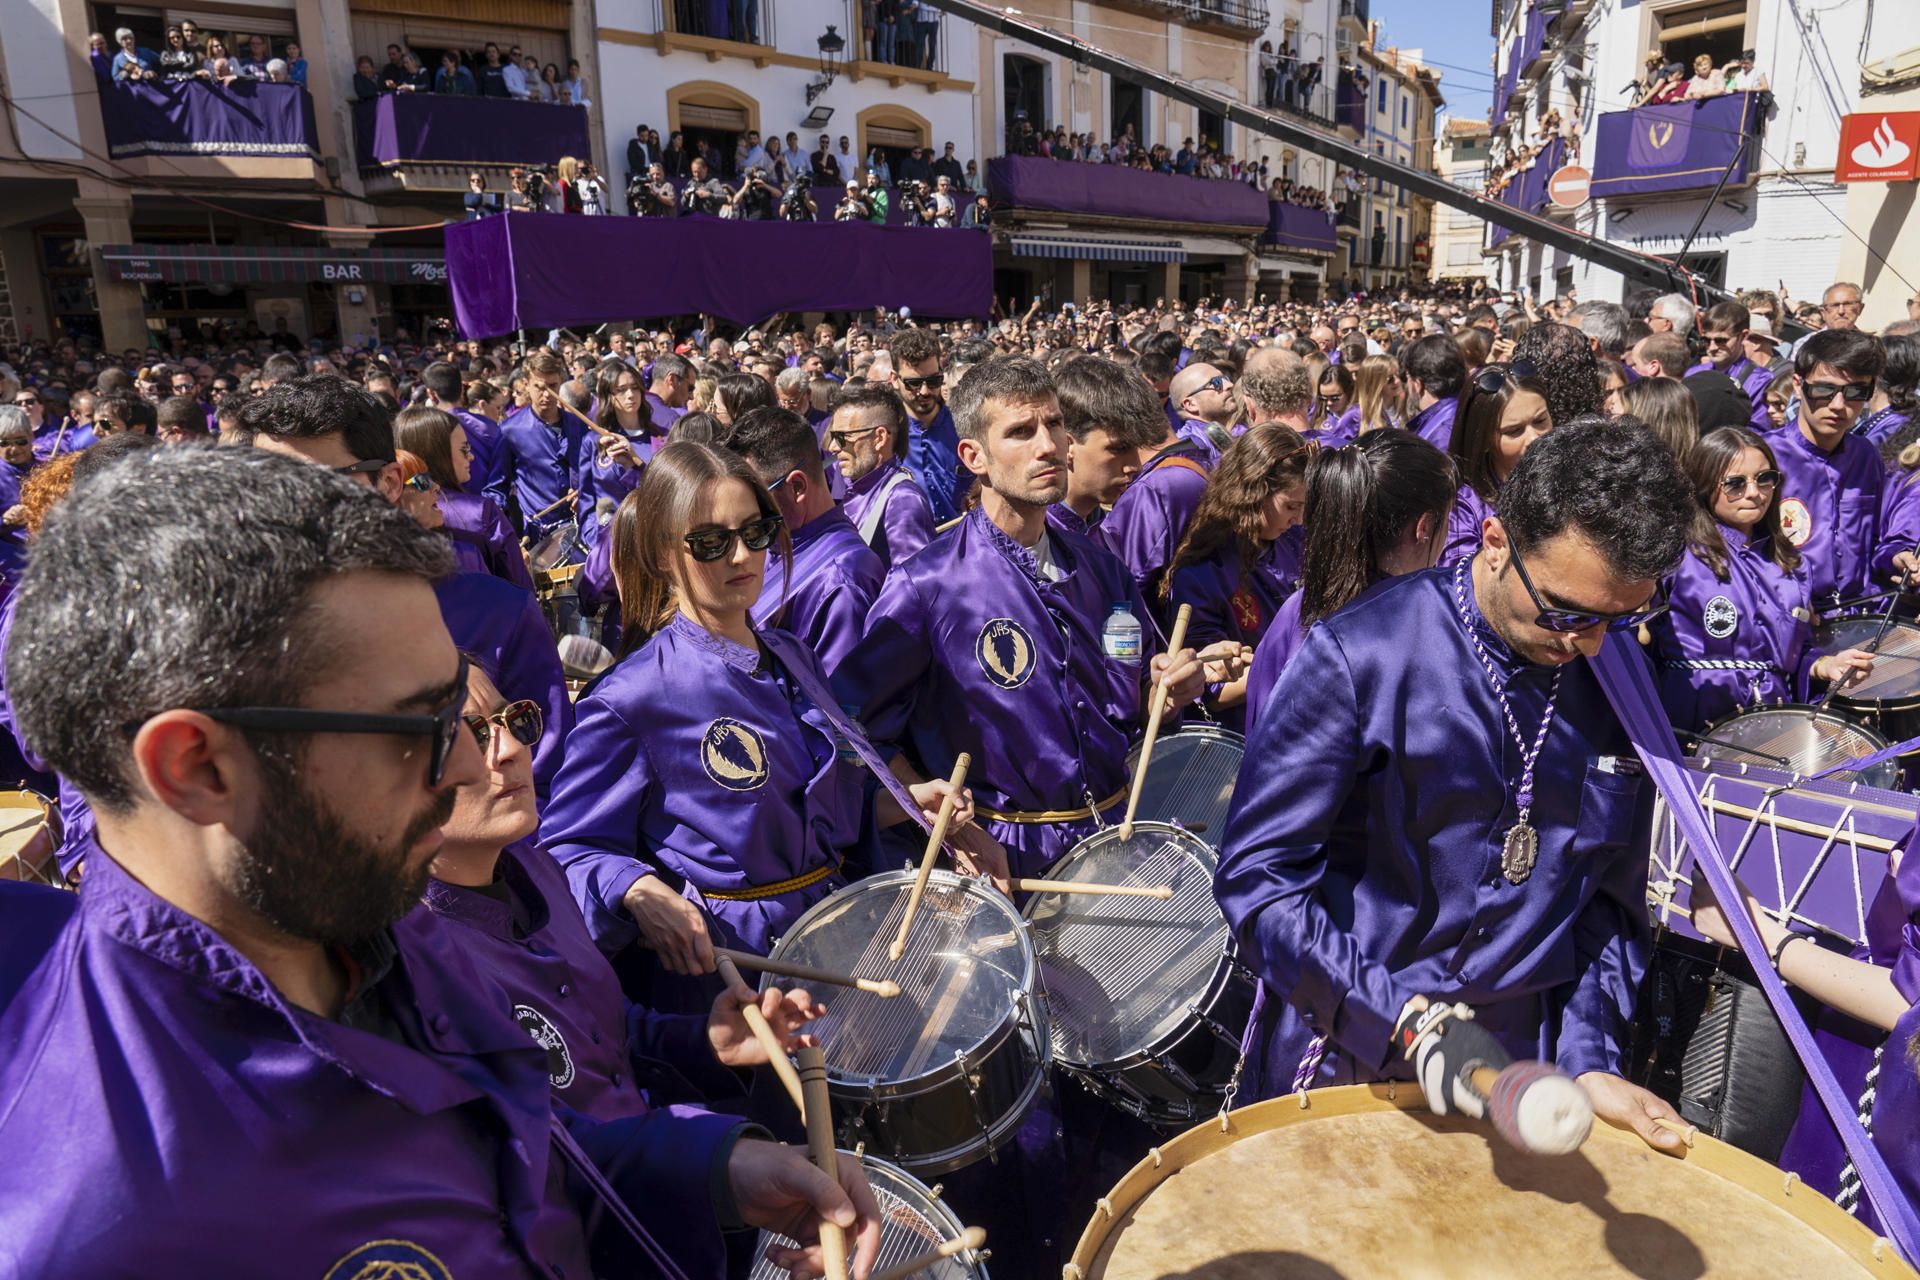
[1747,78]
[945,206]
[492,76]
[478,201]
[1706,82]
[915,167]
[743,17]
[296,64]
[656,197]
[100,56]
[929,37]
[639,157]
[704,194]
[543,83]
[190,32]
[253,65]
[878,169]
[826,165]
[754,156]
[843,154]
[876,196]
[1672,86]
[757,198]
[177,62]
[779,167]
[513,74]
[133,62]
[419,79]
[593,190]
[979,214]
[949,166]
[886,27]
[1183,159]
[907,39]
[390,75]
[277,71]
[453,78]
[366,81]
[675,158]
[576,83]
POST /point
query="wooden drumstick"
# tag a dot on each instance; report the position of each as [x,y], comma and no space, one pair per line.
[886,988]
[898,946]
[556,504]
[820,1146]
[1687,1132]
[593,426]
[1174,644]
[970,1239]
[1160,891]
[763,1032]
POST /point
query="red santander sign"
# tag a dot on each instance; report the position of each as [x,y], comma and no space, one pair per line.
[1879,146]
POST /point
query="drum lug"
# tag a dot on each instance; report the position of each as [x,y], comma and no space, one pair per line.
[1207,1020]
[971,1078]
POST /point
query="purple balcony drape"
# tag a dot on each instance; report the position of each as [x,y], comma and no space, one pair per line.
[1681,146]
[1115,191]
[437,128]
[204,118]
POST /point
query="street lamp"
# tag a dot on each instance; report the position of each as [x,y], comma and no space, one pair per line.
[830,46]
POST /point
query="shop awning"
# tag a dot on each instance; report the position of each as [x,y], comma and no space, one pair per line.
[1097,248]
[234,264]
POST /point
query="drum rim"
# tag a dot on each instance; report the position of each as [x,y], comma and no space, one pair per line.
[1216,983]
[1827,713]
[1747,1172]
[1909,702]
[916,1193]
[1211,732]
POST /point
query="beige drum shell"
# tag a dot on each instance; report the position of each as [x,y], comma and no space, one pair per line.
[1363,1182]
[27,838]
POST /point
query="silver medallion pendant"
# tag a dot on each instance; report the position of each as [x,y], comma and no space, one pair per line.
[1520,852]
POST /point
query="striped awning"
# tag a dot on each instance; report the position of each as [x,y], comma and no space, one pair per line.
[1097,248]
[272,264]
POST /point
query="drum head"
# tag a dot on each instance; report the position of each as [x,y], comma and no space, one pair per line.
[1806,740]
[912,1223]
[583,657]
[1353,1186]
[1190,779]
[552,550]
[26,837]
[1122,973]
[965,971]
[1896,666]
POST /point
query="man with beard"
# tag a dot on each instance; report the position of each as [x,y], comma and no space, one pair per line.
[1203,396]
[241,1050]
[932,446]
[884,501]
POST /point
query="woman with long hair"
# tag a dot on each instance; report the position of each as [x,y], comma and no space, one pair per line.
[1739,630]
[1318,423]
[703,800]
[567,174]
[1613,380]
[483,540]
[630,436]
[1375,509]
[1379,394]
[1668,409]
[1240,558]
[1503,411]
[1339,413]
[737,394]
[1892,406]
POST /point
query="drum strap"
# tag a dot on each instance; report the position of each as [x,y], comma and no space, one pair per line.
[1720,664]
[877,509]
[582,1165]
[1627,678]
[1036,817]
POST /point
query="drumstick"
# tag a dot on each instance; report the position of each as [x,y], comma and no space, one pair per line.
[1161,891]
[820,1146]
[886,988]
[556,504]
[898,947]
[1686,1131]
[595,427]
[763,1032]
[971,1238]
[1174,644]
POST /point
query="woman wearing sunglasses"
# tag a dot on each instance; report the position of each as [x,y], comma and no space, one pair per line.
[1739,632]
[483,540]
[1240,558]
[703,800]
[1339,414]
[1502,413]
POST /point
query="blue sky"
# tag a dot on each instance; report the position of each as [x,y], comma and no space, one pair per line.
[1453,35]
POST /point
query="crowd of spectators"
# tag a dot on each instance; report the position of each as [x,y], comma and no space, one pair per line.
[191,54]
[491,73]
[1205,160]
[905,33]
[1287,80]
[1663,81]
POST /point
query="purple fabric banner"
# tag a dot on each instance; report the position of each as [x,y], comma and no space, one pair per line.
[1676,147]
[1528,193]
[1298,227]
[1350,104]
[439,128]
[1115,191]
[1534,39]
[198,118]
[542,270]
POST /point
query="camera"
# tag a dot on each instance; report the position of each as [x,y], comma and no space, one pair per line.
[536,186]
[796,202]
[852,208]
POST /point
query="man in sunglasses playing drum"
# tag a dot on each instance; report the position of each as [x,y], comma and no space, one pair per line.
[1438,802]
[241,1049]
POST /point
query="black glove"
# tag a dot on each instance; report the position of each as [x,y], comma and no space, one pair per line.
[1445,1045]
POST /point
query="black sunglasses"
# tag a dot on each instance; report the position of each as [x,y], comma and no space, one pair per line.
[365,467]
[932,381]
[442,724]
[1734,486]
[708,545]
[522,719]
[1494,376]
[1552,619]
[837,440]
[1822,392]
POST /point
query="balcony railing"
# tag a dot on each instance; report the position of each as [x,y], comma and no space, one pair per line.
[1247,17]
[742,21]
[1298,227]
[205,118]
[1311,102]
[398,131]
[1117,191]
[1682,146]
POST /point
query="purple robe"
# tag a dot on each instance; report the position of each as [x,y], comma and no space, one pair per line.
[1151,516]
[540,463]
[13,541]
[699,761]
[613,481]
[1881,425]
[1334,435]
[823,602]
[1284,636]
[1734,642]
[662,414]
[1434,424]
[166,1105]
[1228,606]
[489,462]
[1361,862]
[502,626]
[1207,440]
[933,456]
[1750,378]
[65,436]
[970,648]
[483,541]
[1831,509]
[1062,516]
[1464,522]
[897,509]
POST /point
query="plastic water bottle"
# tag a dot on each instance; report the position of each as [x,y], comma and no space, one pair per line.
[1121,636]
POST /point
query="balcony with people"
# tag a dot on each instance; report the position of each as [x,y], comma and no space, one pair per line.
[1245,18]
[1683,141]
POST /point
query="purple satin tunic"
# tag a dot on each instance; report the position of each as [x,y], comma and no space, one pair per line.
[933,456]
[824,600]
[905,519]
[540,463]
[1434,424]
[483,540]
[1464,522]
[489,462]
[502,626]
[1151,516]
[1230,606]
[1832,507]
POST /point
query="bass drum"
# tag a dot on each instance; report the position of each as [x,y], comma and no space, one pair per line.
[913,1222]
[1362,1181]
[1190,779]
[1799,739]
[29,837]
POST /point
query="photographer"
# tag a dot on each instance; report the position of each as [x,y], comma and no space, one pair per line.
[535,187]
[942,208]
[853,206]
[653,197]
[796,203]
[705,194]
[915,208]
[979,215]
[478,200]
[593,191]
[517,199]
[755,200]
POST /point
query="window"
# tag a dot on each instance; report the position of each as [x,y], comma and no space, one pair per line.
[1717,29]
[1383,95]
[1023,83]
[1405,112]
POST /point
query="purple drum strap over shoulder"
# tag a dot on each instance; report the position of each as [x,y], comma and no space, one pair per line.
[1625,675]
[1860,763]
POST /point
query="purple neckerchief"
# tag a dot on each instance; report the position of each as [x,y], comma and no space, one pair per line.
[1628,682]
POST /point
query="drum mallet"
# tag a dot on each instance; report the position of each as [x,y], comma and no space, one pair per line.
[1160,891]
[1174,643]
[1535,1106]
[898,947]
[820,1146]
[763,1032]
[971,1239]
[885,988]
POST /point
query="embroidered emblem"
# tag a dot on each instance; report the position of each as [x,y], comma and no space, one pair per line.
[548,1037]
[389,1260]
[1005,652]
[734,755]
[1246,610]
[1795,522]
[1721,617]
[1660,133]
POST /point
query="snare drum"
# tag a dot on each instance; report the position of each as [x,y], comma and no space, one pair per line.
[1144,997]
[941,1075]
[27,838]
[1361,1182]
[913,1222]
[1798,739]
[1889,699]
[555,548]
[1190,779]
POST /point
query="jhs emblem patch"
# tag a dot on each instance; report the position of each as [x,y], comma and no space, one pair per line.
[389,1260]
[1005,652]
[1721,618]
[734,755]
[1795,522]
[548,1037]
